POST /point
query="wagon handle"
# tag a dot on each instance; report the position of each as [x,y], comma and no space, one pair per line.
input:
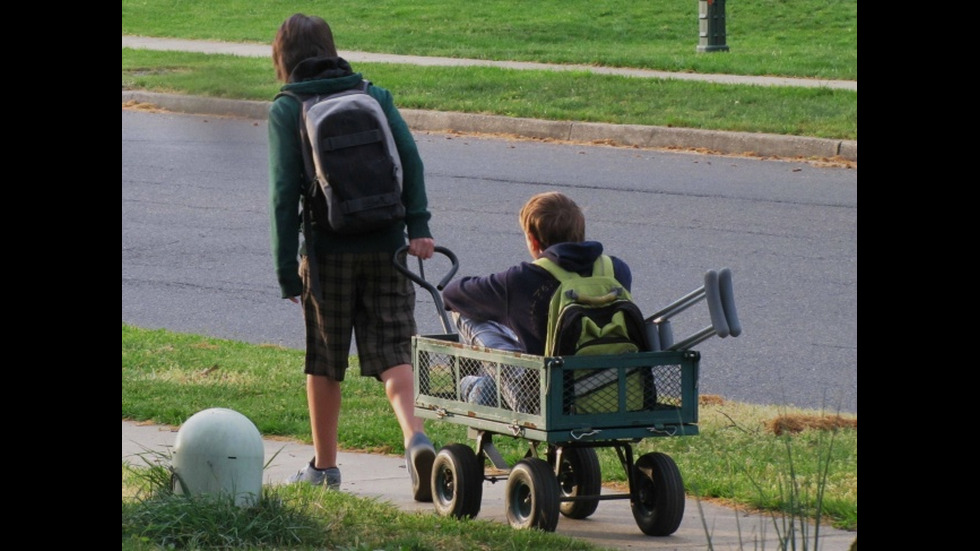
[400,260]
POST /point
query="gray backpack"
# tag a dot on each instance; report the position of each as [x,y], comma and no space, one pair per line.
[351,157]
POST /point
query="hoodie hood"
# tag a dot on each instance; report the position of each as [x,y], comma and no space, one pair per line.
[321,75]
[315,68]
[575,257]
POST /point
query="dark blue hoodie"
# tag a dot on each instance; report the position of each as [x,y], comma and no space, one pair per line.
[519,296]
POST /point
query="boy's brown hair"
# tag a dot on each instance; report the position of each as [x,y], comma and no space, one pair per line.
[552,217]
[298,38]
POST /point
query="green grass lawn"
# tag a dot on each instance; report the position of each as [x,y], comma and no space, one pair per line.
[765,39]
[799,38]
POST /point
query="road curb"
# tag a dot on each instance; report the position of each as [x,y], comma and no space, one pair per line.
[733,143]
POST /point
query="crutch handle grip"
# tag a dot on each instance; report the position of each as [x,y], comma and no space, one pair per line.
[712,294]
[728,301]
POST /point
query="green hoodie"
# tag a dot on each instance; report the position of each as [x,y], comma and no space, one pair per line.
[287,178]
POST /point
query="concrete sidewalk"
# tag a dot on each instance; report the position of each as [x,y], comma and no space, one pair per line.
[611,526]
[729,143]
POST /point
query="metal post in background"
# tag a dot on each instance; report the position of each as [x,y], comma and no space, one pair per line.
[711,26]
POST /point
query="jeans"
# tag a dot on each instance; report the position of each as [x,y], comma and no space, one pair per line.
[519,387]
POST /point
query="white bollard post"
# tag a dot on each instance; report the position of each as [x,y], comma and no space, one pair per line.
[219,450]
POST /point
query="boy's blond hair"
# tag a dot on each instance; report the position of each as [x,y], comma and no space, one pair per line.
[552,217]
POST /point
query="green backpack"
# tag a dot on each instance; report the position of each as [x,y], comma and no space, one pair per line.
[596,315]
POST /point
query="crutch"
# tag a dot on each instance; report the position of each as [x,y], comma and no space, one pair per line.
[717,291]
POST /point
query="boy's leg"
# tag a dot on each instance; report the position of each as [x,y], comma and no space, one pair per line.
[419,451]
[517,388]
[481,388]
[485,333]
[478,389]
[326,363]
[400,390]
[323,399]
[384,323]
[323,402]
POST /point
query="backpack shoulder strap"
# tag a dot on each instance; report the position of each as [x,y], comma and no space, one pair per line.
[561,274]
[293,95]
[603,267]
[304,138]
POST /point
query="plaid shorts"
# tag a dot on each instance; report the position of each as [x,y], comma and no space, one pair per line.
[362,293]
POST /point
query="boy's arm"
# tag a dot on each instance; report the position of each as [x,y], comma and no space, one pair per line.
[286,179]
[414,195]
[482,298]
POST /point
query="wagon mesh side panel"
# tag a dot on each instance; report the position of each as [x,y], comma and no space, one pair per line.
[519,387]
[594,391]
[437,374]
[496,384]
[668,383]
[557,398]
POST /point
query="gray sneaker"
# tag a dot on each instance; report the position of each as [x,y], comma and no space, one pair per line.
[329,477]
[418,458]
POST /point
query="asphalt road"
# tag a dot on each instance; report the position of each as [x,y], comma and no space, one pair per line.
[196,255]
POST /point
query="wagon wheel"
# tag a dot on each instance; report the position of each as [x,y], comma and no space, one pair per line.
[657,494]
[578,475]
[457,481]
[532,495]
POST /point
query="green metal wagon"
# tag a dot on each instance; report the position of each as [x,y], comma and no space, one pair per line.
[565,407]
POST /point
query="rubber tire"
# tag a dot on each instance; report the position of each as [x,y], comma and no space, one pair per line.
[531,495]
[657,494]
[457,482]
[579,475]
